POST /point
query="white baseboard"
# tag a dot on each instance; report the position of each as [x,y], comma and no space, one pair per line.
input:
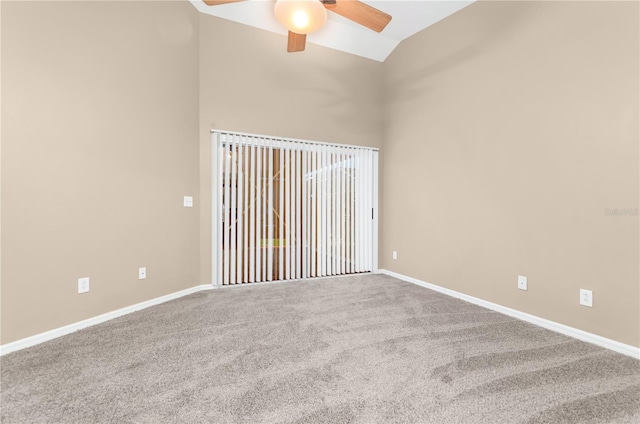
[541,322]
[625,349]
[67,329]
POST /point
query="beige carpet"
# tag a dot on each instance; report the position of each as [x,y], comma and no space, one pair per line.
[361,349]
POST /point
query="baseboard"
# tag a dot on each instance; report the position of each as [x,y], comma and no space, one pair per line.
[541,322]
[67,329]
[625,349]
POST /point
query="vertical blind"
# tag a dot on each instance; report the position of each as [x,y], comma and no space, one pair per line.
[292,209]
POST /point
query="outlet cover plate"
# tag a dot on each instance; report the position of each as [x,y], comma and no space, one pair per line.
[188,201]
[83,285]
[586,298]
[394,255]
[142,273]
[522,282]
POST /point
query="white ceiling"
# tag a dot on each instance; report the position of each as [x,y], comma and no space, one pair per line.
[409,17]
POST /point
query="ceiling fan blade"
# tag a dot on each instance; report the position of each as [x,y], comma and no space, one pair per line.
[217,2]
[296,42]
[361,13]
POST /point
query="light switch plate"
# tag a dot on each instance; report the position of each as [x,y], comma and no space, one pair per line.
[142,273]
[188,201]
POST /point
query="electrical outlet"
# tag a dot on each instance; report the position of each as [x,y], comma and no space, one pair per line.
[142,273]
[394,255]
[586,298]
[83,285]
[188,201]
[522,282]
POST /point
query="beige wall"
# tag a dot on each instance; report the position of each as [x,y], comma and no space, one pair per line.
[249,83]
[510,128]
[99,144]
[507,131]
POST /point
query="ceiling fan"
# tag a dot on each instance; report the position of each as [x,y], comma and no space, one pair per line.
[302,17]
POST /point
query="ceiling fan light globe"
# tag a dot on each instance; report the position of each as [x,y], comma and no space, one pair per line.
[300,19]
[301,16]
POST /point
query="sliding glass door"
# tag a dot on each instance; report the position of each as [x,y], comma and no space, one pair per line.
[290,209]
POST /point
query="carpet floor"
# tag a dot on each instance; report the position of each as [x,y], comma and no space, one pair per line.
[359,349]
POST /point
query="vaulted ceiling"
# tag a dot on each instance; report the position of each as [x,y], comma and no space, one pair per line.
[409,17]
